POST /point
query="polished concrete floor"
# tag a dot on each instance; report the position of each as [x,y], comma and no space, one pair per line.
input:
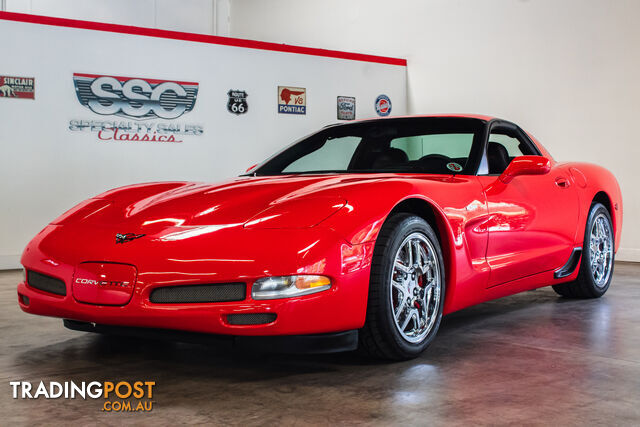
[529,359]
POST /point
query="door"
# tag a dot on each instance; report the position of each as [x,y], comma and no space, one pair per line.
[532,220]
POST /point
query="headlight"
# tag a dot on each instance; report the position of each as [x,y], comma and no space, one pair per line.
[289,286]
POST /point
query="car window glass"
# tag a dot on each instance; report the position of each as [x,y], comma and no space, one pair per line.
[334,154]
[502,148]
[452,145]
[511,144]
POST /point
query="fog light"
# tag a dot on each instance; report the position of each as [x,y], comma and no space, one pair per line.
[24,299]
[289,286]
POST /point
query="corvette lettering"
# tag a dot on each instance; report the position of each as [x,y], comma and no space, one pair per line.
[113,283]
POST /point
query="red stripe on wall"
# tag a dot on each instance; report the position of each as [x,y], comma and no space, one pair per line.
[199,38]
[122,78]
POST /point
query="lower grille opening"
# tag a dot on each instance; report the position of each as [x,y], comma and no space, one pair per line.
[46,283]
[219,292]
[24,299]
[251,318]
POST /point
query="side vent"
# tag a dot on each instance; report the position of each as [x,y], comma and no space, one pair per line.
[219,292]
[251,318]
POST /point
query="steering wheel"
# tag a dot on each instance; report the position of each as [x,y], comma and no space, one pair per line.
[434,163]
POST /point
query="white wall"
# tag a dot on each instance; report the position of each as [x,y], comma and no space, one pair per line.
[192,16]
[567,70]
[46,168]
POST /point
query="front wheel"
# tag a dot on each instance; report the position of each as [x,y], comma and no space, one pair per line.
[406,290]
[598,253]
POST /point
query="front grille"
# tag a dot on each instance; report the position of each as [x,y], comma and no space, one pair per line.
[251,318]
[220,292]
[46,283]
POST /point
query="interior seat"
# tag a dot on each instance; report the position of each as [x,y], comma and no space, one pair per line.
[498,158]
[390,158]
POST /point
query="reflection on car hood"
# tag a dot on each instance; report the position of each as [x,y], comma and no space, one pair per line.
[231,202]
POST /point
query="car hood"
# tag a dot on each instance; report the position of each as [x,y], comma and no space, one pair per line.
[299,201]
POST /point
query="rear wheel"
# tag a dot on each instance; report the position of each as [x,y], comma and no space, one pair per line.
[406,290]
[596,266]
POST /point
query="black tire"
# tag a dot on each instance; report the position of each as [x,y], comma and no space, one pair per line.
[380,337]
[585,286]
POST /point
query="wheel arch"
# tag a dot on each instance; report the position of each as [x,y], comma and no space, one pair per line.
[603,197]
[435,217]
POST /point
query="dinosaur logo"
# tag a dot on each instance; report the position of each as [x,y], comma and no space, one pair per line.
[7,91]
[292,100]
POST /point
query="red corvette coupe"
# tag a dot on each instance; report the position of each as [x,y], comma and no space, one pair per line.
[360,235]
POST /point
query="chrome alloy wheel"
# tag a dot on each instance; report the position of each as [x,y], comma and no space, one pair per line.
[415,288]
[601,250]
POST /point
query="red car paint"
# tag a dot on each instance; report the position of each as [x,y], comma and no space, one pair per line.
[499,235]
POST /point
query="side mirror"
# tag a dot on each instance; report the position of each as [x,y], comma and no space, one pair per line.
[525,165]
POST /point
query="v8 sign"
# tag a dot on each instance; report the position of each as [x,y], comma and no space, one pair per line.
[134,97]
[292,100]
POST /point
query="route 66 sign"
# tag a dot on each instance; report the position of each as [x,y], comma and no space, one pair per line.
[237,102]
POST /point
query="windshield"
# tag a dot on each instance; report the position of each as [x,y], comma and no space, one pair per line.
[439,145]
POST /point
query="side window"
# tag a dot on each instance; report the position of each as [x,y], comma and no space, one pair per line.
[334,155]
[503,146]
[511,144]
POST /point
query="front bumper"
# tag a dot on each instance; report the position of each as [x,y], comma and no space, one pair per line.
[311,251]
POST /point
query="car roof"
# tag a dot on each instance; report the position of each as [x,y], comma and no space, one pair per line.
[418,116]
[454,115]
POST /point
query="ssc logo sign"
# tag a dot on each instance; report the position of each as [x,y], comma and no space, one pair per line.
[383,105]
[292,100]
[135,98]
[237,103]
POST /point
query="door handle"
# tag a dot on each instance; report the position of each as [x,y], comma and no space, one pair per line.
[562,182]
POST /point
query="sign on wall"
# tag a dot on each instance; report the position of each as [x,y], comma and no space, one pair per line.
[17,87]
[152,104]
[237,103]
[346,108]
[383,105]
[292,100]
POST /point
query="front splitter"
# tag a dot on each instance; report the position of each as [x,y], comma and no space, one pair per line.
[288,344]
